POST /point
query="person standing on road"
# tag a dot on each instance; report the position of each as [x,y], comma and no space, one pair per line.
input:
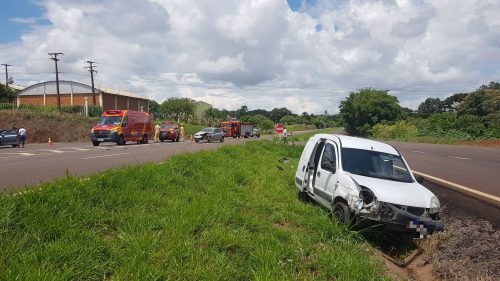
[21,136]
[182,133]
[157,133]
[284,134]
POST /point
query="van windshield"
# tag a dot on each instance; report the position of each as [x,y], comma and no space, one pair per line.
[110,120]
[375,164]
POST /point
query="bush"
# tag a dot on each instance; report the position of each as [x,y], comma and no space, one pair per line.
[5,106]
[400,130]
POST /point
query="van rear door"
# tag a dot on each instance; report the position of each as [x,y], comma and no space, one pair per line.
[303,168]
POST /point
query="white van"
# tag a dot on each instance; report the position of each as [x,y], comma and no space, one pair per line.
[364,179]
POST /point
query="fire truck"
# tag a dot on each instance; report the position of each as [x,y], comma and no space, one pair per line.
[237,129]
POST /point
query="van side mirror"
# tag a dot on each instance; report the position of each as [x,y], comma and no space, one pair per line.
[419,179]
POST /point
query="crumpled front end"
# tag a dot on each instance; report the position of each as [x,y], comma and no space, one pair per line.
[366,206]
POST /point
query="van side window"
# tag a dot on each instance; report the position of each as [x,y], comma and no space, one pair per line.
[125,121]
[329,159]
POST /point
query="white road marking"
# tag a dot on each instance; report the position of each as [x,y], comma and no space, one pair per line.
[416,151]
[25,154]
[458,157]
[107,155]
[464,188]
[52,150]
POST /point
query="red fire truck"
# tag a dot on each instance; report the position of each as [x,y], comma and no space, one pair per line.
[237,129]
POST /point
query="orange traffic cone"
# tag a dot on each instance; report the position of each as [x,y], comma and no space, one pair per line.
[50,142]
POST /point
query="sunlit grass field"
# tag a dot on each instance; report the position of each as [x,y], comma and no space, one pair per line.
[228,214]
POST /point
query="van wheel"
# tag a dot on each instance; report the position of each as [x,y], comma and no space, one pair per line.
[222,139]
[121,140]
[341,213]
[303,196]
[95,143]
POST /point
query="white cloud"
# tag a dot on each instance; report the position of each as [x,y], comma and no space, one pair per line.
[261,54]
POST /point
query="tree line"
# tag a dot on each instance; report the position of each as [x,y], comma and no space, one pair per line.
[474,115]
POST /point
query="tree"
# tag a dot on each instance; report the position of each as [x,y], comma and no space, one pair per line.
[154,108]
[7,94]
[451,103]
[242,111]
[367,107]
[288,119]
[430,106]
[179,108]
[480,103]
[278,113]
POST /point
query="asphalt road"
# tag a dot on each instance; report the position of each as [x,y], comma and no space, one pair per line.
[474,167]
[36,163]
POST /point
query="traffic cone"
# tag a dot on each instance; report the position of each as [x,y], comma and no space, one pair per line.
[50,142]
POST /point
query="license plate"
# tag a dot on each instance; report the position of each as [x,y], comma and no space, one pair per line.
[100,139]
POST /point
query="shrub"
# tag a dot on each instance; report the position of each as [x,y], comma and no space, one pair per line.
[400,130]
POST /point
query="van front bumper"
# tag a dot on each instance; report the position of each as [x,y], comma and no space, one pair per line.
[104,137]
[396,219]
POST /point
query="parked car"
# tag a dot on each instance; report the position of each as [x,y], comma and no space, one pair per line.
[368,181]
[209,134]
[8,137]
[256,132]
[169,131]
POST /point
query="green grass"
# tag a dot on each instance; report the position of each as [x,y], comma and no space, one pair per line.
[426,139]
[228,214]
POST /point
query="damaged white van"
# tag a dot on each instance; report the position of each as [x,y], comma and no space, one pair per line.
[369,180]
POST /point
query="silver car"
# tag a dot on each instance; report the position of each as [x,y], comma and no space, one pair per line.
[209,134]
[8,137]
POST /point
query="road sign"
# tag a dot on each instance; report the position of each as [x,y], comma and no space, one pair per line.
[279,128]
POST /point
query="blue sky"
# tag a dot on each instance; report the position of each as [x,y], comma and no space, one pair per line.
[11,9]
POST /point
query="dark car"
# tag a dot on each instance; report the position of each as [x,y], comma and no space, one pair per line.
[8,137]
[209,134]
[169,131]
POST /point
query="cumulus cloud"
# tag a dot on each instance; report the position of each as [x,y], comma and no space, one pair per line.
[262,54]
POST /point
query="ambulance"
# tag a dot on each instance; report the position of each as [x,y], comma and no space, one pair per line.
[121,126]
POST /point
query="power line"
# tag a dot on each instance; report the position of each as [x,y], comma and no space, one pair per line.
[92,71]
[53,56]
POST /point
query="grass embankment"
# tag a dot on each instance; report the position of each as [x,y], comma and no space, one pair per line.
[42,125]
[229,214]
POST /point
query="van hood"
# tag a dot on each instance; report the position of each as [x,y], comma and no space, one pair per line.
[401,193]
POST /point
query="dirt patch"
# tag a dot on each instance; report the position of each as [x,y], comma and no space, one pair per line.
[469,249]
[488,143]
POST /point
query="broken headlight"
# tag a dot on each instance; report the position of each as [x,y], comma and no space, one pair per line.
[434,209]
[367,196]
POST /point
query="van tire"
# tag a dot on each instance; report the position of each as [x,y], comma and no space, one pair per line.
[342,213]
[121,140]
[96,143]
[222,139]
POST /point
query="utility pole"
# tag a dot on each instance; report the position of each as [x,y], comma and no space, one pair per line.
[6,77]
[53,56]
[92,71]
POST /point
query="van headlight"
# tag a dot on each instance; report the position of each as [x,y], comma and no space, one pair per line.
[434,209]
